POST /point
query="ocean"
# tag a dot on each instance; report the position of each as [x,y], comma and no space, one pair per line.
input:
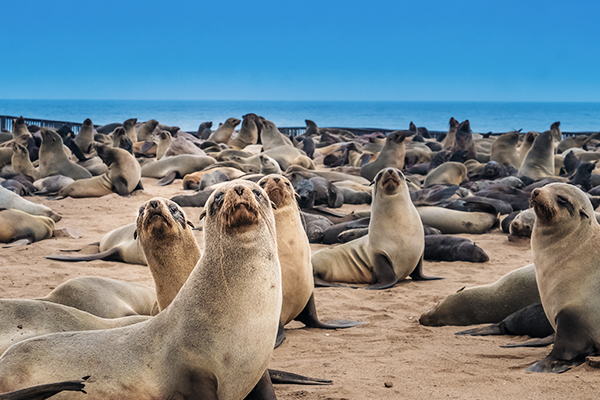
[188,114]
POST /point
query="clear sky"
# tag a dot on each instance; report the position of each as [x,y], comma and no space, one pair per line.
[301,50]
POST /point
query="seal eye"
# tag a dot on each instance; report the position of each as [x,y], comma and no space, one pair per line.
[219,198]
[257,193]
[173,208]
[287,184]
[262,184]
[561,200]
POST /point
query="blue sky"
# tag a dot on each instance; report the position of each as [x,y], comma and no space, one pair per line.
[301,50]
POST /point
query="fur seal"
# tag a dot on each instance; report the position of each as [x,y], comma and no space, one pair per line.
[174,167]
[225,131]
[463,140]
[452,173]
[487,303]
[392,155]
[379,258]
[117,245]
[52,184]
[85,138]
[54,161]
[271,138]
[11,200]
[452,248]
[129,128]
[144,131]
[452,221]
[169,246]
[564,243]
[293,250]
[21,162]
[207,340]
[123,176]
[163,141]
[504,149]
[248,134]
[18,225]
[448,142]
[104,297]
[539,162]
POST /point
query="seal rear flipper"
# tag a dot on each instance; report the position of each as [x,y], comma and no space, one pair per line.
[113,254]
[168,179]
[76,150]
[147,146]
[119,186]
[494,329]
[383,273]
[308,316]
[280,335]
[263,390]
[44,391]
[547,341]
[571,344]
[417,274]
[16,243]
[321,283]
[288,377]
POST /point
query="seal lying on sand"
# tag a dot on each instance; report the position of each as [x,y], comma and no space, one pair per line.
[18,225]
[380,258]
[194,348]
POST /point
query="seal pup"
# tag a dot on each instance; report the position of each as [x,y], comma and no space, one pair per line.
[11,200]
[206,352]
[52,184]
[54,161]
[104,297]
[564,243]
[293,250]
[225,131]
[120,244]
[392,155]
[451,172]
[448,142]
[17,225]
[123,176]
[85,138]
[379,258]
[169,246]
[486,303]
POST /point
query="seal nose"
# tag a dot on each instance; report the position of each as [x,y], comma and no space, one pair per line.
[276,180]
[239,190]
[153,204]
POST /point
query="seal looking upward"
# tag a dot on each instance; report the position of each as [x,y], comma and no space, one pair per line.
[564,243]
[383,257]
[194,348]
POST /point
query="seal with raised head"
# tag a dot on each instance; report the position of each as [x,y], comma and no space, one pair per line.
[123,176]
[392,155]
[171,251]
[225,131]
[85,138]
[504,149]
[293,250]
[195,348]
[54,161]
[564,243]
[381,258]
[539,161]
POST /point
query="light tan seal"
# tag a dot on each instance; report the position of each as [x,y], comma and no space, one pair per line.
[123,176]
[452,173]
[448,142]
[104,297]
[169,246]
[393,249]
[487,303]
[120,244]
[225,131]
[21,163]
[271,137]
[18,225]
[504,149]
[54,161]
[564,243]
[392,155]
[293,249]
[539,161]
[85,138]
[248,134]
[174,167]
[12,200]
[196,348]
[450,221]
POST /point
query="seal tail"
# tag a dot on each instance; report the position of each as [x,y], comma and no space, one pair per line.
[44,391]
[108,255]
[288,377]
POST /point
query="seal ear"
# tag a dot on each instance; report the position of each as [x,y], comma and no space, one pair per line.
[584,214]
[190,224]
[202,215]
[273,206]
[135,235]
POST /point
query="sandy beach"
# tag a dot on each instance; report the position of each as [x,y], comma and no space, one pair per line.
[391,356]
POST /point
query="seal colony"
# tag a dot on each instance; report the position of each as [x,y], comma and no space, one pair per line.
[466,188]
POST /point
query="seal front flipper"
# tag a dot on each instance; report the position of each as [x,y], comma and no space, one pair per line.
[44,391]
[383,273]
[280,335]
[547,341]
[571,344]
[113,254]
[168,179]
[263,390]
[288,377]
[417,274]
[120,187]
[308,316]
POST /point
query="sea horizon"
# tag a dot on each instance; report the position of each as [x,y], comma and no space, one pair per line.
[485,116]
